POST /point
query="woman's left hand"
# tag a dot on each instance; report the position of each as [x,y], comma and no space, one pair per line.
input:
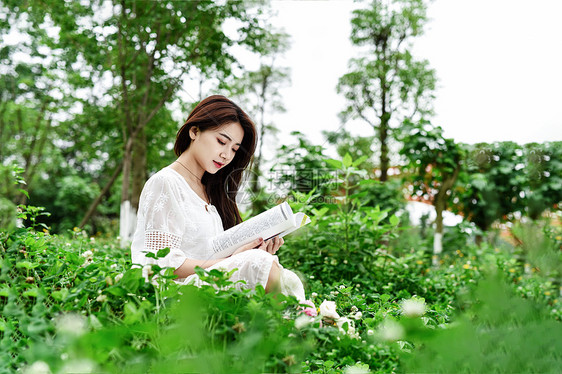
[272,245]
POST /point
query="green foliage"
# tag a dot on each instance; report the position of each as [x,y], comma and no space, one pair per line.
[504,180]
[259,93]
[110,68]
[386,84]
[76,300]
[388,195]
[302,167]
[425,147]
[351,231]
[543,170]
[7,214]
[74,195]
[75,304]
[434,164]
[492,188]
[540,246]
[8,211]
[507,336]
[356,146]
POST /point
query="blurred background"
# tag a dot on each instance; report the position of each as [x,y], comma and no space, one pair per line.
[451,106]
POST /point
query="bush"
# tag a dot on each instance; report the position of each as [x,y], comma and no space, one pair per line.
[73,303]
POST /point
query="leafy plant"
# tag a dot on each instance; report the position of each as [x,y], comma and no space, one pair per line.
[350,236]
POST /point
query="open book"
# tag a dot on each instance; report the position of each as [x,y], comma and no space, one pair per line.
[277,221]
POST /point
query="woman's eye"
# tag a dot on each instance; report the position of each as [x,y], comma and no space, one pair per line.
[234,150]
[221,142]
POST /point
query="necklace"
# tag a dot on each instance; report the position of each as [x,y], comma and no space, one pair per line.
[185,167]
[199,179]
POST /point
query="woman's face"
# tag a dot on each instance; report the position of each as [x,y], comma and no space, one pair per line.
[213,149]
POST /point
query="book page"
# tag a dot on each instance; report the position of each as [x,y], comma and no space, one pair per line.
[266,224]
[301,219]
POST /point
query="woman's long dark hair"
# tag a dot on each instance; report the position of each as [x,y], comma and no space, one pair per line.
[221,187]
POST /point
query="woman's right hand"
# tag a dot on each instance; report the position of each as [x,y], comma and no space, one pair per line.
[254,244]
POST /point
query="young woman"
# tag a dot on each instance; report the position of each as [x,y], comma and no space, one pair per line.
[194,199]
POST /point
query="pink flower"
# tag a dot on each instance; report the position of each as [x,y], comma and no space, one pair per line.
[311,310]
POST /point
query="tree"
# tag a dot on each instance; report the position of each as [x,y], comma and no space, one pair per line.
[30,97]
[356,146]
[134,56]
[302,167]
[492,184]
[434,164]
[543,168]
[259,92]
[503,181]
[387,85]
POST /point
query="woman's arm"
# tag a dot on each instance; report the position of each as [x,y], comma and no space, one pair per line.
[188,267]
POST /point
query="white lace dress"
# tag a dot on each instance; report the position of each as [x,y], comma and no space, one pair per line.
[172,215]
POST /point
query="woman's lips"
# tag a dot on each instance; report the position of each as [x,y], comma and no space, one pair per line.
[218,164]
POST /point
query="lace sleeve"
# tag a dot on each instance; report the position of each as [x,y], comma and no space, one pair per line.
[161,224]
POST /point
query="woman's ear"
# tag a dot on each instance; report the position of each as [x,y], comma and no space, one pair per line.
[193,131]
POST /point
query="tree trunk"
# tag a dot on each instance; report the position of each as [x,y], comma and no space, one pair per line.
[125,215]
[439,204]
[256,172]
[129,207]
[257,205]
[383,138]
[3,107]
[139,169]
[385,112]
[30,145]
[103,192]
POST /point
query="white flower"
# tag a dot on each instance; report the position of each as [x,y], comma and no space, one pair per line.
[71,324]
[391,330]
[328,310]
[350,326]
[314,294]
[147,271]
[354,309]
[113,266]
[101,298]
[302,321]
[358,315]
[341,287]
[413,308]
[88,254]
[38,367]
[370,332]
[118,277]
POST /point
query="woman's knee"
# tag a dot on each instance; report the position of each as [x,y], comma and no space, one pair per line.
[273,280]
